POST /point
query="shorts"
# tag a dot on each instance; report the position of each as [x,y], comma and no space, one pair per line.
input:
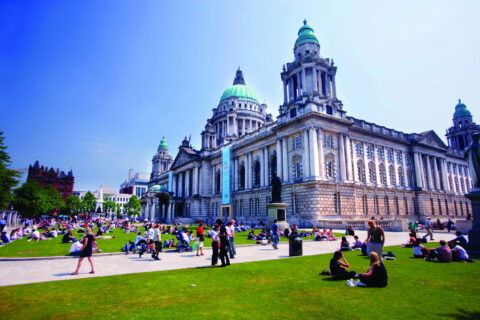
[150,242]
[200,244]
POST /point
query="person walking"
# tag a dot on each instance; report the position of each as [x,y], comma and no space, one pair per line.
[275,235]
[157,239]
[86,251]
[428,228]
[223,244]
[375,239]
[231,238]
[200,239]
[214,245]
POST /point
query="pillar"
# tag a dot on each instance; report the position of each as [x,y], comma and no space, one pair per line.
[313,153]
[321,158]
[236,183]
[395,168]
[266,159]
[436,176]
[306,155]
[304,81]
[320,84]
[284,92]
[404,167]
[443,169]
[429,174]
[418,175]
[375,162]
[285,159]
[343,172]
[187,183]
[315,85]
[365,163]
[349,158]
[213,180]
[262,168]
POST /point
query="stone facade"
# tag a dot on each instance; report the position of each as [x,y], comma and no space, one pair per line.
[333,167]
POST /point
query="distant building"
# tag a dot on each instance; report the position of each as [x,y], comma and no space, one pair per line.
[460,135]
[106,193]
[58,179]
[136,184]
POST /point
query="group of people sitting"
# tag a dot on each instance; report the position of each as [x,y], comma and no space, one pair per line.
[454,250]
[325,235]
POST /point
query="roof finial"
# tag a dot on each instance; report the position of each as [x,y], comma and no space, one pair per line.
[239,77]
[304,22]
[459,100]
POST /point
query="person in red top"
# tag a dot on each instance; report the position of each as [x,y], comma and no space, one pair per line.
[200,239]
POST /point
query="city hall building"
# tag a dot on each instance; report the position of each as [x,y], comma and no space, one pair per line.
[333,167]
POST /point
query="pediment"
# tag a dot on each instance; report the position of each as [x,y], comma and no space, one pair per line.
[431,139]
[183,157]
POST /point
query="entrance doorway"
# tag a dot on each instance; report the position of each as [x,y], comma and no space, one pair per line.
[226,212]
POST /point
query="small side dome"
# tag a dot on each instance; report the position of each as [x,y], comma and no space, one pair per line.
[461,110]
[163,145]
[306,35]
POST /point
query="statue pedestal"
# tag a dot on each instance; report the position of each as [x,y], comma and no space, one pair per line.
[473,247]
[278,211]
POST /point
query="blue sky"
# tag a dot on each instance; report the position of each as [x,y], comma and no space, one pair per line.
[95,85]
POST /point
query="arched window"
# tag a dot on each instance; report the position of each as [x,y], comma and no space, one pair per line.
[382,174]
[256,170]
[371,172]
[360,171]
[401,178]
[242,176]
[391,175]
[217,182]
[330,167]
[410,178]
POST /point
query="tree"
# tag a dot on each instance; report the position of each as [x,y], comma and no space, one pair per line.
[30,199]
[7,176]
[89,202]
[109,206]
[133,206]
[53,199]
[73,204]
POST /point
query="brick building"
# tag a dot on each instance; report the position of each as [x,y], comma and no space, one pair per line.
[58,179]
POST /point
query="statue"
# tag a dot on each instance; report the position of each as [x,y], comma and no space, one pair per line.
[473,157]
[276,189]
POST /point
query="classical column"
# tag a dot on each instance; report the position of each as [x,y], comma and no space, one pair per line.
[418,175]
[262,168]
[349,158]
[365,163]
[306,155]
[395,167]
[387,171]
[304,81]
[243,128]
[279,160]
[236,179]
[146,212]
[180,184]
[152,211]
[195,178]
[285,160]
[429,174]
[284,92]
[213,180]
[341,145]
[334,88]
[290,85]
[321,158]
[320,84]
[435,171]
[404,167]
[174,184]
[354,158]
[299,85]
[313,153]
[443,170]
[327,84]
[249,170]
[187,183]
[314,75]
[266,166]
[375,162]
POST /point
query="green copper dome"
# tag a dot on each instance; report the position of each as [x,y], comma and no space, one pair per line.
[239,90]
[306,35]
[461,110]
[163,145]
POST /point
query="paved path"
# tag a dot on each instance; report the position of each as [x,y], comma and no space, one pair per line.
[21,272]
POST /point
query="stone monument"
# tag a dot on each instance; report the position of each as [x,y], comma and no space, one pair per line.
[277,209]
[473,156]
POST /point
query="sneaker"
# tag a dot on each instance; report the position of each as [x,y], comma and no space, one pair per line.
[350,283]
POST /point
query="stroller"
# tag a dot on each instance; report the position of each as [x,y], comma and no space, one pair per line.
[182,245]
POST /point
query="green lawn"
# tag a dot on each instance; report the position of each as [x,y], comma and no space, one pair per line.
[55,247]
[276,289]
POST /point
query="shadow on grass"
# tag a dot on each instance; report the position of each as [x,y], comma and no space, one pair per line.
[462,315]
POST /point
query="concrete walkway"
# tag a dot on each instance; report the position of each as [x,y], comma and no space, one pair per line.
[30,271]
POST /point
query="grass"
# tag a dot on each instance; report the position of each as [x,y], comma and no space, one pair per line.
[55,247]
[275,289]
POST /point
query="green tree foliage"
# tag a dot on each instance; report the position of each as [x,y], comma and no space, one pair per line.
[32,200]
[73,204]
[109,206]
[133,206]
[89,202]
[8,177]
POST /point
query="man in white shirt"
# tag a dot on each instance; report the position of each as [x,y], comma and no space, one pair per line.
[231,238]
[428,228]
[76,248]
[459,253]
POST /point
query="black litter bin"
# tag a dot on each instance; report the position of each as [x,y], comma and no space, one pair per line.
[295,247]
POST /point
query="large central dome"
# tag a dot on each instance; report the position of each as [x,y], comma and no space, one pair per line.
[239,90]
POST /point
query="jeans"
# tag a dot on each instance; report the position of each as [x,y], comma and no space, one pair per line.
[276,240]
[231,247]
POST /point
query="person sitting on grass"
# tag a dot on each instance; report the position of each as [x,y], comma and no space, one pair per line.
[76,248]
[53,233]
[418,249]
[251,235]
[357,244]
[442,253]
[330,236]
[338,265]
[460,240]
[317,236]
[411,241]
[5,238]
[376,275]
[68,237]
[349,231]
[459,253]
[286,232]
[345,245]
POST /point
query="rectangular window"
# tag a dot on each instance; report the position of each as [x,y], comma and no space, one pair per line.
[375,204]
[298,142]
[439,207]
[358,149]
[405,201]
[370,151]
[381,153]
[399,156]
[330,168]
[328,140]
[446,208]
[461,208]
[390,155]
[397,207]
[433,206]
[455,207]
[365,205]
[387,206]
[298,170]
[337,205]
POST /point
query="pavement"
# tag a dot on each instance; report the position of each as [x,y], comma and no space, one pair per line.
[32,271]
